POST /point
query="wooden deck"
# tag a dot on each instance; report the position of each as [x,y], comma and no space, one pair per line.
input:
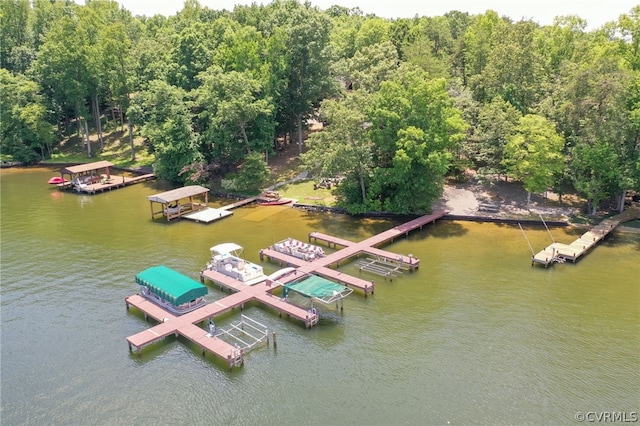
[558,252]
[260,292]
[116,181]
[240,203]
[369,245]
[322,265]
[185,325]
[181,325]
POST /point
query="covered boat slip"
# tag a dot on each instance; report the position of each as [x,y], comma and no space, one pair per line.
[170,285]
[186,202]
[96,177]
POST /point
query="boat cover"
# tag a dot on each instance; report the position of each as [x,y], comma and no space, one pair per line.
[171,285]
[318,288]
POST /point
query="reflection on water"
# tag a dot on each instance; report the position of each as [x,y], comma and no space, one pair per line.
[476,335]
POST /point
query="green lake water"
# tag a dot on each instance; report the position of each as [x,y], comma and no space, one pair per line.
[475,336]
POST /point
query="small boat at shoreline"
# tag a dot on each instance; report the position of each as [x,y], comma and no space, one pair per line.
[57,180]
[272,198]
[279,202]
[225,259]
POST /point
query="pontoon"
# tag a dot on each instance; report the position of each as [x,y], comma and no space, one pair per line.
[225,258]
[171,290]
[299,249]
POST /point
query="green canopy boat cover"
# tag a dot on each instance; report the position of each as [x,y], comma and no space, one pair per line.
[318,288]
[171,285]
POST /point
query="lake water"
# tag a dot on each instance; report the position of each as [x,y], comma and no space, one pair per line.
[475,336]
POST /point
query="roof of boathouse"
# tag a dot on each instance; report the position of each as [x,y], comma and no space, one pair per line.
[171,285]
[82,168]
[178,194]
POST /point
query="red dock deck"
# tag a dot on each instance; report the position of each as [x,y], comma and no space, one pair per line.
[185,324]
[321,265]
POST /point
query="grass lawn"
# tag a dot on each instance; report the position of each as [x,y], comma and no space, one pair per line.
[305,194]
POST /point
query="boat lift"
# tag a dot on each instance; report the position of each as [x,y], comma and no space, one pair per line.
[244,335]
[384,267]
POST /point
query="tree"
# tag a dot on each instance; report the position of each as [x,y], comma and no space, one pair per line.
[343,148]
[168,129]
[253,174]
[513,69]
[308,79]
[485,146]
[231,104]
[416,130]
[533,154]
[371,66]
[24,129]
[596,172]
[16,45]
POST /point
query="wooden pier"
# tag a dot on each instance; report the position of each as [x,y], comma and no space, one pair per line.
[321,265]
[557,252]
[185,325]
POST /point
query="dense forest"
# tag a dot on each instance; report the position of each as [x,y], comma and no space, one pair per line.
[405,103]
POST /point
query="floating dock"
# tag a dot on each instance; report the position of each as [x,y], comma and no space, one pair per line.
[558,252]
[208,214]
[190,202]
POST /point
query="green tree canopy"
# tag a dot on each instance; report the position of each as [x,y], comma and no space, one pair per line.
[533,153]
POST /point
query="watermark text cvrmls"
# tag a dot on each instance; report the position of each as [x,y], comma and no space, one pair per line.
[607,416]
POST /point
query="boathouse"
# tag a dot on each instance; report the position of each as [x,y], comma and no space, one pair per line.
[95,177]
[178,202]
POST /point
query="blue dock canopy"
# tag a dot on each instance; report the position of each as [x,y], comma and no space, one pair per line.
[171,285]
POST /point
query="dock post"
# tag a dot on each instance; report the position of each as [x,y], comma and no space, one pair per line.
[275,343]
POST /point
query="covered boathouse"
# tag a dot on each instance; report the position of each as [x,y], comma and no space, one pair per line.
[179,202]
[91,178]
[171,290]
[190,202]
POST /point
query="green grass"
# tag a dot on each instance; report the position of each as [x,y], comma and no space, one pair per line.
[305,194]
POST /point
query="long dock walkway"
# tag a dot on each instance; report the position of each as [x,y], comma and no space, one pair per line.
[321,265]
[558,252]
[370,244]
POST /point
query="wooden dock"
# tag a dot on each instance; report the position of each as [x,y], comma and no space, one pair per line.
[321,266]
[262,293]
[370,245]
[558,252]
[181,325]
[185,325]
[114,182]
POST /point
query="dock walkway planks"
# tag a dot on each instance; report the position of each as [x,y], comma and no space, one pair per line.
[321,265]
[260,292]
[183,325]
[558,252]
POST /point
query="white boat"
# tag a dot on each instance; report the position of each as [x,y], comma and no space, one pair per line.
[225,259]
[299,249]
